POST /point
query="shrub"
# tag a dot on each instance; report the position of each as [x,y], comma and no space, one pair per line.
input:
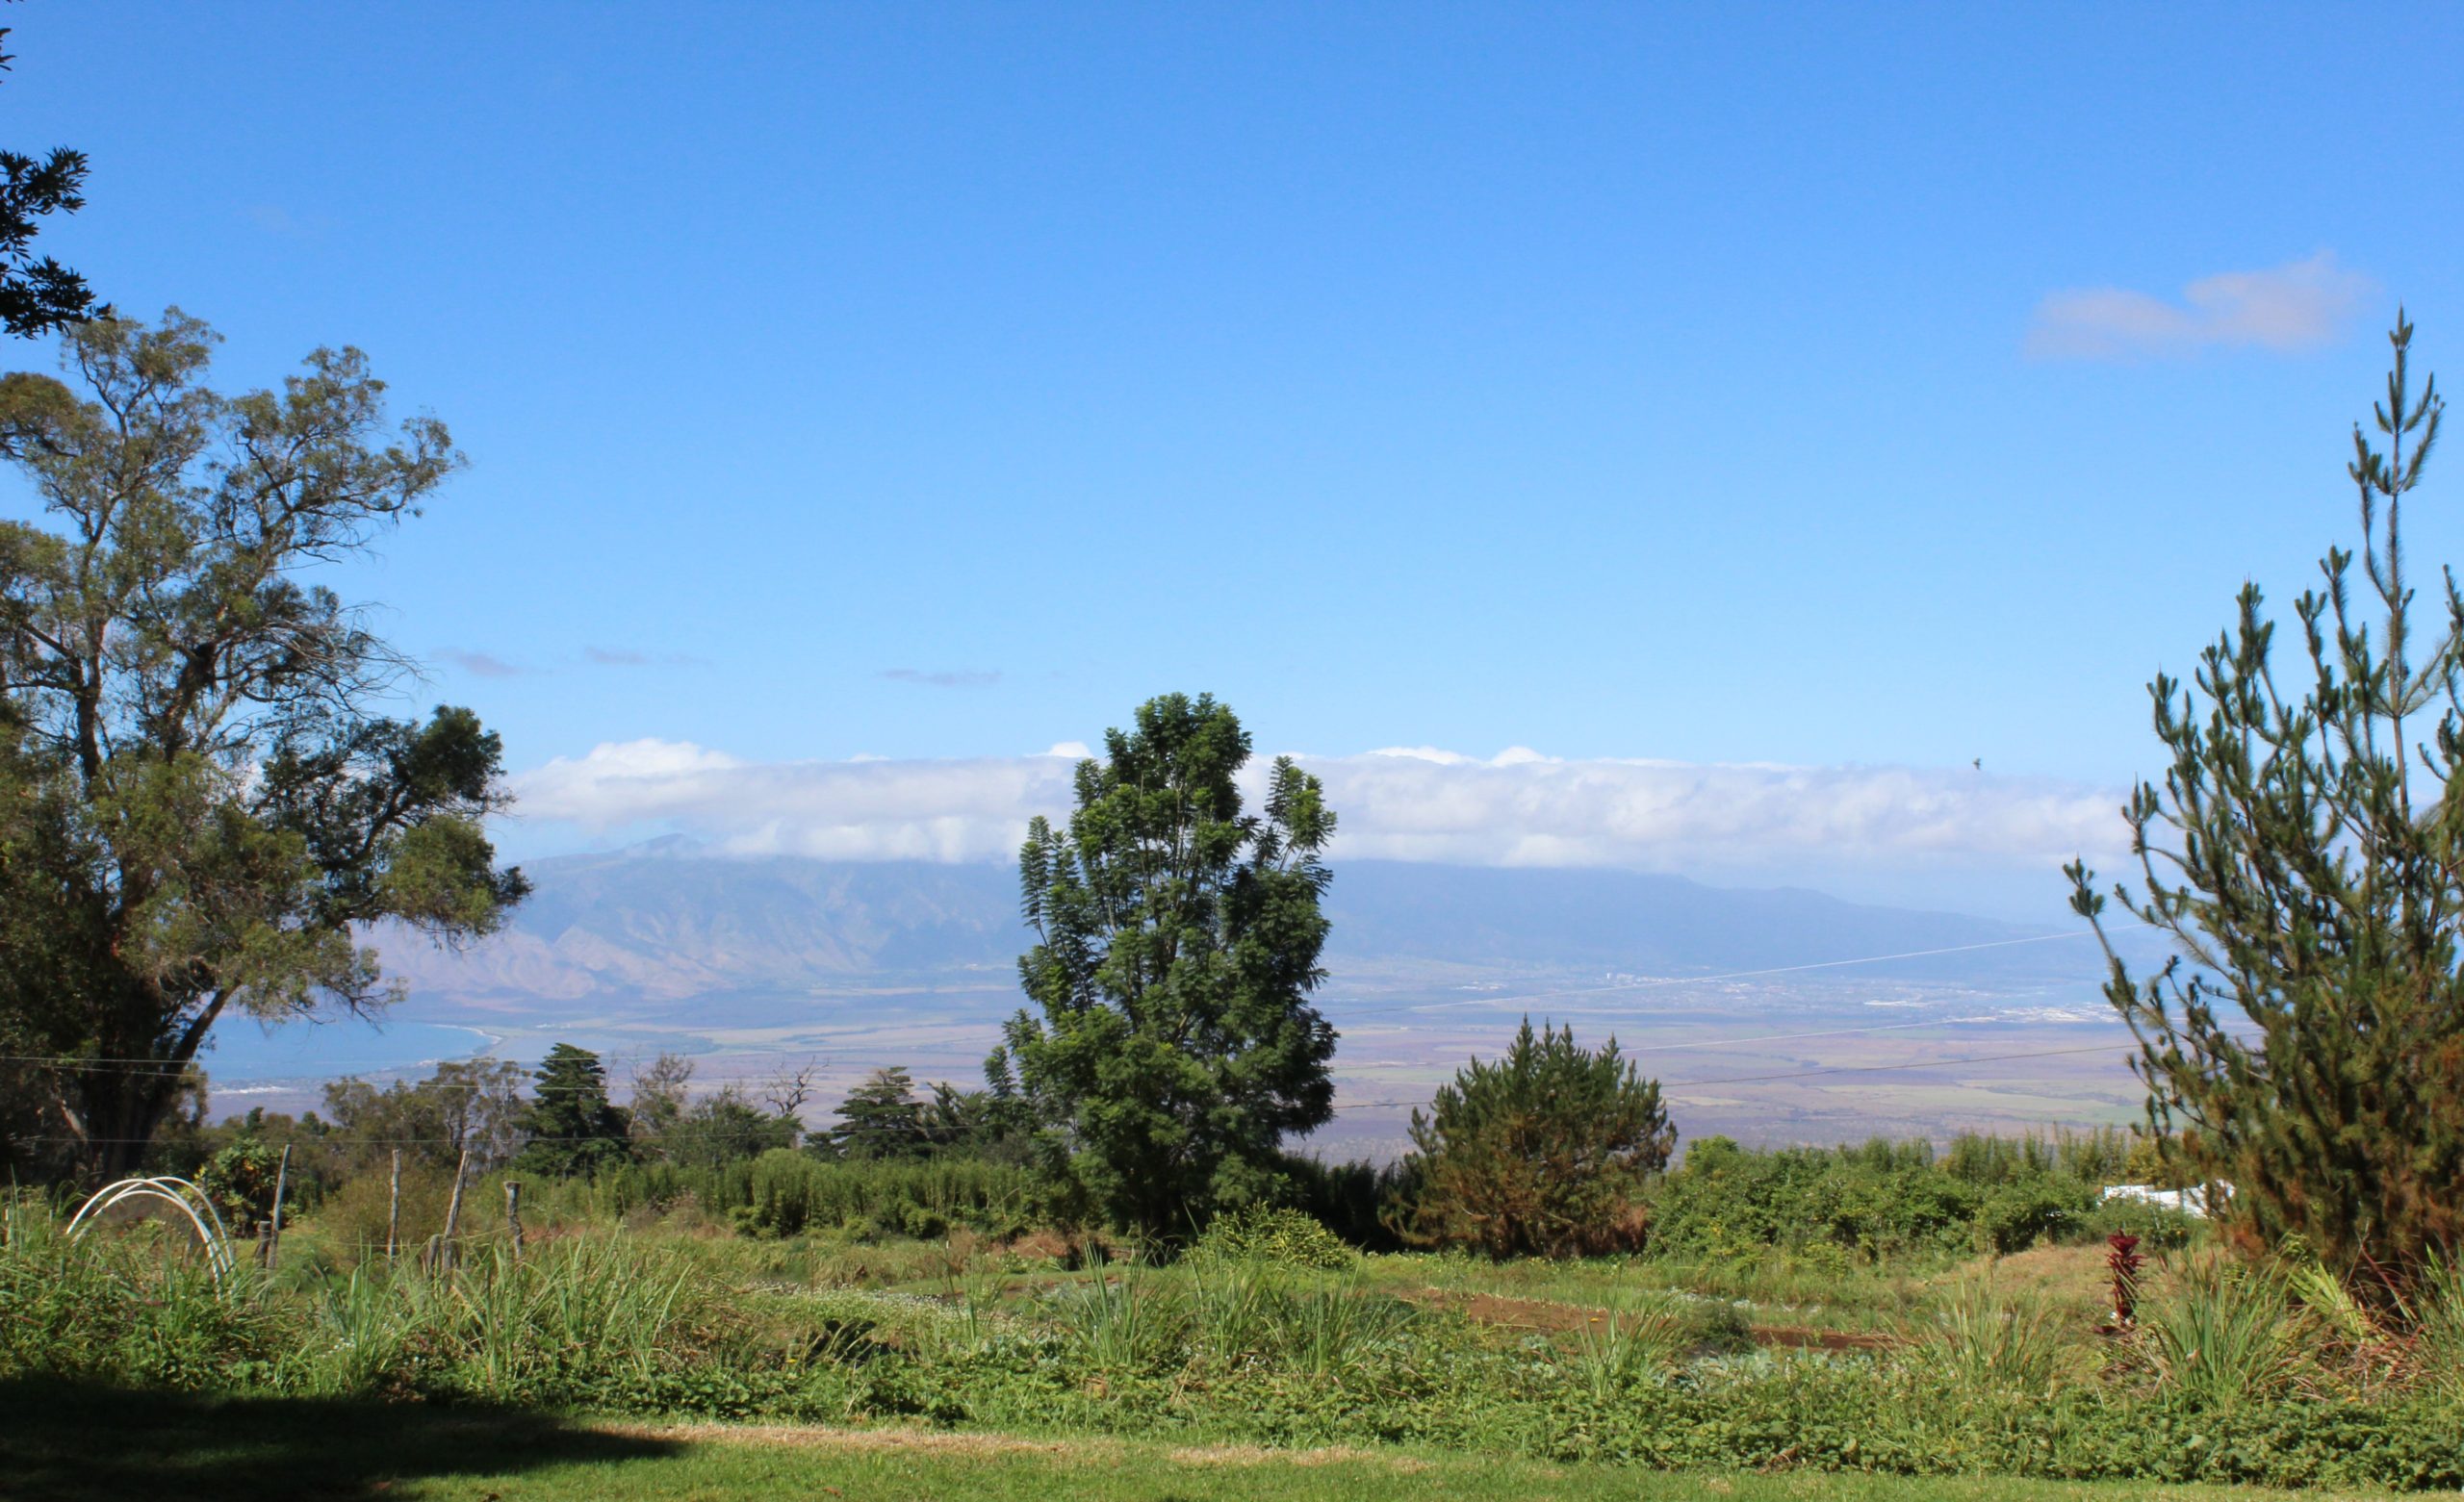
[785,1193]
[2017,1215]
[1544,1150]
[1266,1233]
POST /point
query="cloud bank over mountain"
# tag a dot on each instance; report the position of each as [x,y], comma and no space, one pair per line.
[1519,808]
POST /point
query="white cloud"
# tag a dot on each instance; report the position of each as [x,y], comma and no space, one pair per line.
[2289,308]
[483,665]
[1518,808]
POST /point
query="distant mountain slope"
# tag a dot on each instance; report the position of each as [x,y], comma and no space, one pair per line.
[657,925]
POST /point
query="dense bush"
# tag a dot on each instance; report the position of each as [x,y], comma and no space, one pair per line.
[792,1193]
[1985,1194]
[1288,1236]
[1544,1149]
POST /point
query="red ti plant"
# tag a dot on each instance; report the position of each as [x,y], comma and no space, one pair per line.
[2124,1261]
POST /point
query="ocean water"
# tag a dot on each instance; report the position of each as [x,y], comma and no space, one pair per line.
[242,1053]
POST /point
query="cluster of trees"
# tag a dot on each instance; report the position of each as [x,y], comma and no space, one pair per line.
[560,1121]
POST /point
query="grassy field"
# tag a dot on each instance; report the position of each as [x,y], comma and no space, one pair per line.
[621,1354]
[65,1443]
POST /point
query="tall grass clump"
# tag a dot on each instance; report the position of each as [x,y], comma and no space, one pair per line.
[1123,1322]
[2224,1334]
[2438,1350]
[577,1310]
[134,1305]
[1331,1330]
[1633,1338]
[1979,1341]
[1232,1305]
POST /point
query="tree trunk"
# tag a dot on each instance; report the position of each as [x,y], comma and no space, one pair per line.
[124,1108]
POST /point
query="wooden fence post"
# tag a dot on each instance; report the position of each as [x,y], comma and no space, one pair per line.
[281,1182]
[513,1213]
[394,1209]
[454,1205]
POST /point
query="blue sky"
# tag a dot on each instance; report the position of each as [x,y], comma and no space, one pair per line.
[1709,384]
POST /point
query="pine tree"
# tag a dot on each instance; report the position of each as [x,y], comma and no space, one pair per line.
[880,1117]
[1543,1151]
[2305,852]
[38,297]
[1178,941]
[574,1129]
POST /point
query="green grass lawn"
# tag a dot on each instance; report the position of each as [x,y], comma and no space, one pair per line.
[85,1445]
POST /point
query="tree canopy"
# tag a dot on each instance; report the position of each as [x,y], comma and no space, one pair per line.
[1177,947]
[203,809]
[37,294]
[573,1129]
[2305,854]
[880,1117]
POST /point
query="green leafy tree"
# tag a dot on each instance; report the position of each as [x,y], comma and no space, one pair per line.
[573,1127]
[38,296]
[199,809]
[722,1127]
[1177,946]
[1544,1152]
[974,1124]
[472,1106]
[2306,856]
[660,1097]
[880,1118]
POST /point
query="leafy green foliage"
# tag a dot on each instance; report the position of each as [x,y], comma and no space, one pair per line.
[2306,853]
[571,1126]
[1274,1234]
[241,1181]
[1983,1194]
[1177,945]
[722,1127]
[201,811]
[1547,1150]
[1205,1349]
[784,1194]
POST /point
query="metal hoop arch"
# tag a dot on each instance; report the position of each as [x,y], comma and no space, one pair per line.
[179,1193]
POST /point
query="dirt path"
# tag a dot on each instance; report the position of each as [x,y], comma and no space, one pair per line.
[1491,1308]
[822,1436]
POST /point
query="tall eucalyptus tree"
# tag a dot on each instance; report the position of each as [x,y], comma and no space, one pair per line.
[200,806]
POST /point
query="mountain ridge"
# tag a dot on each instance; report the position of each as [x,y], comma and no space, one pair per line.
[662,924]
